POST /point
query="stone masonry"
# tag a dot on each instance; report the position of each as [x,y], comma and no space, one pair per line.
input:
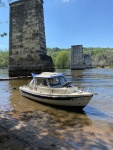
[27,44]
[87,61]
[77,59]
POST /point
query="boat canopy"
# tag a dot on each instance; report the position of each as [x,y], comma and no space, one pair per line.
[48,75]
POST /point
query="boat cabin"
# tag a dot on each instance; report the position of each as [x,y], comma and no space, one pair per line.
[52,80]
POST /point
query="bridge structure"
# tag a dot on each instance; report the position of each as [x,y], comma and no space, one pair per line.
[27,43]
[79,60]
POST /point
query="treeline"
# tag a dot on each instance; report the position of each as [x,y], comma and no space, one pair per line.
[99,56]
[4,59]
[62,57]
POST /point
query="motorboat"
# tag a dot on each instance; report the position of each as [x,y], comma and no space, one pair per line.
[53,88]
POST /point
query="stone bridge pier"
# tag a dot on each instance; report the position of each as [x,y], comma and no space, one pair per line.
[27,43]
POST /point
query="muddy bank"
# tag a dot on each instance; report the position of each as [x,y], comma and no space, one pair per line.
[30,131]
[39,130]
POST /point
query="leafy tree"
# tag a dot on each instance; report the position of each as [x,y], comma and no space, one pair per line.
[3,34]
[100,56]
[4,55]
[62,59]
[2,4]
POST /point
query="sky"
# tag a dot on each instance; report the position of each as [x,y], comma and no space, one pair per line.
[71,22]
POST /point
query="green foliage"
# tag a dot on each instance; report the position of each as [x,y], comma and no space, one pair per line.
[62,59]
[3,34]
[54,52]
[99,56]
[4,55]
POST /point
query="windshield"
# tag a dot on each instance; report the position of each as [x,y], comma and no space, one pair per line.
[57,81]
[54,81]
[62,80]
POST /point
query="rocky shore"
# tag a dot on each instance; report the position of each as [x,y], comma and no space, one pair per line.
[30,131]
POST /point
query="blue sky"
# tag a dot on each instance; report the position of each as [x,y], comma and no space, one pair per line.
[72,22]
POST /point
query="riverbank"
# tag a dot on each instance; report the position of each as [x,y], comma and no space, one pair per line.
[30,131]
[29,125]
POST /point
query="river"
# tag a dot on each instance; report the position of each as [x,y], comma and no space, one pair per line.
[90,129]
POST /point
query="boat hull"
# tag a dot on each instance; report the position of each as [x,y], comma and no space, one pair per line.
[61,100]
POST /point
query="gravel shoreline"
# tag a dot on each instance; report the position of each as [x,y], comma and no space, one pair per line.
[30,131]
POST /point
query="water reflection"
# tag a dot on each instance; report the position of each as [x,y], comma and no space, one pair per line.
[4,96]
[95,113]
[3,73]
[71,119]
[11,98]
[91,127]
[63,115]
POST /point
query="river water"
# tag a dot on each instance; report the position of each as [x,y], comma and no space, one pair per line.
[90,129]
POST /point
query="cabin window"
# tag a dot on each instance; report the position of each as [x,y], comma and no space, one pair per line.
[54,81]
[42,82]
[62,80]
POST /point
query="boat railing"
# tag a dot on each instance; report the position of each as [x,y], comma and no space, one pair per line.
[85,88]
[82,87]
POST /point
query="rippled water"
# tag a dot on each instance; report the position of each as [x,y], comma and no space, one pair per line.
[91,129]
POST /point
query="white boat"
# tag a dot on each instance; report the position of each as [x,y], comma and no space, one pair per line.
[53,88]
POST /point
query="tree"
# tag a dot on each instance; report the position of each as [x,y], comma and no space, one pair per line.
[62,59]
[3,34]
[4,55]
[2,4]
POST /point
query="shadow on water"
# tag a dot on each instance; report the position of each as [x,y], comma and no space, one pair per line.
[82,127]
[70,109]
[95,112]
[65,116]
[77,127]
[23,104]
